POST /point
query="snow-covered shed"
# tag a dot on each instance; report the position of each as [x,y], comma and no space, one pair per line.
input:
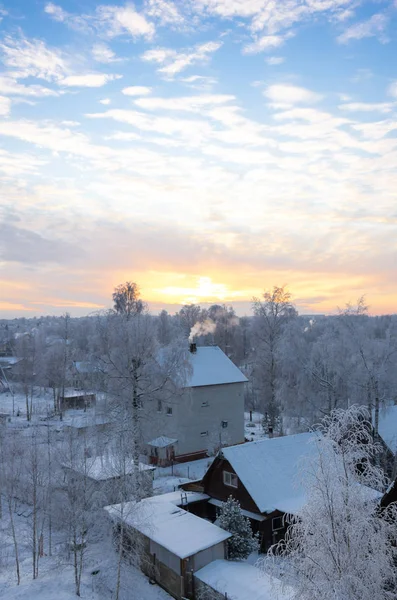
[264,476]
[238,581]
[174,543]
[207,415]
[104,473]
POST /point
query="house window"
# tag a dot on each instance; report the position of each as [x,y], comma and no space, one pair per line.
[169,410]
[204,433]
[205,404]
[224,424]
[230,479]
[277,523]
[159,407]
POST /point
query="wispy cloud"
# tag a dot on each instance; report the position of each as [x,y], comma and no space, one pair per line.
[265,43]
[374,27]
[288,94]
[393,89]
[103,54]
[93,80]
[10,86]
[383,107]
[184,103]
[164,11]
[5,105]
[32,58]
[108,20]
[136,90]
[174,62]
[274,60]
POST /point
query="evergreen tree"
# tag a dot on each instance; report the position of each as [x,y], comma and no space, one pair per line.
[243,541]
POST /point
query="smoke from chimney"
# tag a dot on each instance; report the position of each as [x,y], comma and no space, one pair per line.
[202,328]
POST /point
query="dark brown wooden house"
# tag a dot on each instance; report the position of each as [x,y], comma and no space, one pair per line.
[264,477]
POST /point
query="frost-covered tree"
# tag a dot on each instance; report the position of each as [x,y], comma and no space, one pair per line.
[272,314]
[340,546]
[243,542]
[126,299]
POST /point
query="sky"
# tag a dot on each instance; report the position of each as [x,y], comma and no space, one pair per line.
[206,149]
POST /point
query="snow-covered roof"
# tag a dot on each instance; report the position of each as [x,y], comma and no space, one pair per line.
[242,581]
[388,426]
[181,498]
[85,367]
[269,469]
[162,442]
[8,361]
[180,532]
[211,366]
[84,420]
[102,468]
[246,513]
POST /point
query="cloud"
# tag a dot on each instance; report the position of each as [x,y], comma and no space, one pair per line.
[9,85]
[174,62]
[393,89]
[90,80]
[287,94]
[199,82]
[5,106]
[373,27]
[33,59]
[111,21]
[274,60]
[184,103]
[105,101]
[267,42]
[164,11]
[21,245]
[136,90]
[124,136]
[103,54]
[383,107]
[118,20]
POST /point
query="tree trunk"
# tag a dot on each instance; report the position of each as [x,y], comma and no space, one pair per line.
[14,539]
[120,558]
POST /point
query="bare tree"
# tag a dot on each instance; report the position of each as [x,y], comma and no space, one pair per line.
[10,469]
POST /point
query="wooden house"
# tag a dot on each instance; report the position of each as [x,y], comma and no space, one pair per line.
[77,400]
[173,542]
[264,476]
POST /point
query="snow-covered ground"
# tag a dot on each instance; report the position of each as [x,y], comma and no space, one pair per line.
[56,576]
[253,429]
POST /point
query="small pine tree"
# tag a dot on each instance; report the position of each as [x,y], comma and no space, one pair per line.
[243,541]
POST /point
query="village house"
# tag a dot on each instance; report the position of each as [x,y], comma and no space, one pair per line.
[72,400]
[207,415]
[172,543]
[264,476]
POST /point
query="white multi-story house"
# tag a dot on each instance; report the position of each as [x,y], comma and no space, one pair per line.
[207,415]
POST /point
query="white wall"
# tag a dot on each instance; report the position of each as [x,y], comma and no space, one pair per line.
[203,558]
[199,410]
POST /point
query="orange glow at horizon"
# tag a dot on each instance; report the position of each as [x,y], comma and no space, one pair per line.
[311,292]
